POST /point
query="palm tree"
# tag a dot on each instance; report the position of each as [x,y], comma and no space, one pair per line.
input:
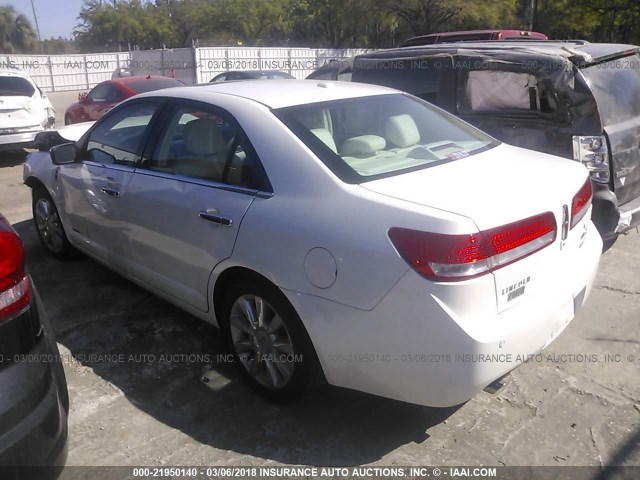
[16,33]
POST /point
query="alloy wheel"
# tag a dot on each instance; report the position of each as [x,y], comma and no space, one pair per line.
[261,341]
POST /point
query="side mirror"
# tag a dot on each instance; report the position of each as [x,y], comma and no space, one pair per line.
[63,154]
[83,98]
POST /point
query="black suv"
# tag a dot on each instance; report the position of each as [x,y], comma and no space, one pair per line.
[573,99]
[34,402]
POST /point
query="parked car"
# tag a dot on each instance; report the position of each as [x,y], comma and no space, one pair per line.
[34,403]
[106,95]
[332,230]
[122,72]
[473,35]
[24,110]
[576,100]
[251,75]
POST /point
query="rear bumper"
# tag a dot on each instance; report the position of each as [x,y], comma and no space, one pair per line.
[441,344]
[40,437]
[33,409]
[16,140]
[629,216]
[610,218]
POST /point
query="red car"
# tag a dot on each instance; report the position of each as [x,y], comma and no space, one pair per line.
[106,95]
[473,35]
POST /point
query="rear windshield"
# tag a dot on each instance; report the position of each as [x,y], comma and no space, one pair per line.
[367,138]
[275,76]
[616,87]
[153,84]
[16,86]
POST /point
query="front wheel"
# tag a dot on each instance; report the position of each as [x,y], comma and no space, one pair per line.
[269,342]
[49,227]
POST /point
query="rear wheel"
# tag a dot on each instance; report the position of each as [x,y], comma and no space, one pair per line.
[269,342]
[67,119]
[48,225]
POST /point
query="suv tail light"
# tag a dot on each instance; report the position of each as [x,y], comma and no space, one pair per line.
[15,286]
[594,154]
[581,202]
[449,258]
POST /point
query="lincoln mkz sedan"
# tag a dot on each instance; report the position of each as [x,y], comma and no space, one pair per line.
[334,232]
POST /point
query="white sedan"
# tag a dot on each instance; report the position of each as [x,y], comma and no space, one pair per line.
[334,231]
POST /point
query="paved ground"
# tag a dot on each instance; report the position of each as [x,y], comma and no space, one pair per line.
[130,406]
[60,102]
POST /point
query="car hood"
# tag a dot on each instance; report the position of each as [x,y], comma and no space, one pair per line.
[493,188]
[70,133]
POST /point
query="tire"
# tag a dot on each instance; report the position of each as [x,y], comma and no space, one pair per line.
[270,344]
[67,119]
[49,226]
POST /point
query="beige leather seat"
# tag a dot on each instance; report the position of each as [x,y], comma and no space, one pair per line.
[206,151]
[401,132]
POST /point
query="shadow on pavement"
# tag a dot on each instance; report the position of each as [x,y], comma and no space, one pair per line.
[12,158]
[96,312]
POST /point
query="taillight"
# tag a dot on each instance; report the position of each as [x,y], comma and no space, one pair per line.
[15,286]
[444,257]
[594,154]
[581,202]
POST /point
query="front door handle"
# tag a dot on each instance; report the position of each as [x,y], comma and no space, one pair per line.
[222,220]
[111,192]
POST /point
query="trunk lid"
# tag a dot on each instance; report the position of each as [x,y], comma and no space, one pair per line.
[493,188]
[19,111]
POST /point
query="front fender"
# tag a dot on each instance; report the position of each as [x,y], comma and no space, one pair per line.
[39,169]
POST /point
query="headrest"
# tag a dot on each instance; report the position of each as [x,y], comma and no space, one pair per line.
[363,146]
[325,136]
[203,137]
[402,131]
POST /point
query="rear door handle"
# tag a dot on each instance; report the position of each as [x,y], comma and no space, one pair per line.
[111,192]
[222,220]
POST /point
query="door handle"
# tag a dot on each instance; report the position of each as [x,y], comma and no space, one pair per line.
[110,192]
[222,220]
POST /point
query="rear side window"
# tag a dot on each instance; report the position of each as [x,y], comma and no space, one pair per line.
[495,91]
[16,87]
[616,87]
[419,76]
[206,143]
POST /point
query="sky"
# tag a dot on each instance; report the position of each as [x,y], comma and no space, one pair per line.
[56,18]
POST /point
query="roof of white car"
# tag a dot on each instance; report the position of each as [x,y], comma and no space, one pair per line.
[13,72]
[277,93]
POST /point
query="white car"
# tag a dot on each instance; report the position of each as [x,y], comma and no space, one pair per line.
[333,231]
[24,110]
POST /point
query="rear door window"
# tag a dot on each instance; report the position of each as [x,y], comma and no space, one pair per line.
[616,87]
[419,76]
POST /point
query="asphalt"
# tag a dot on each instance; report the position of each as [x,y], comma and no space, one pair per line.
[149,384]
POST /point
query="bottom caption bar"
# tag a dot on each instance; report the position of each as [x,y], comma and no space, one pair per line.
[319,473]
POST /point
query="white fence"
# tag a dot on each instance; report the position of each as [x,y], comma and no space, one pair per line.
[55,73]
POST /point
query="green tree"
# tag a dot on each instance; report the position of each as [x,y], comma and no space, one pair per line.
[16,33]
